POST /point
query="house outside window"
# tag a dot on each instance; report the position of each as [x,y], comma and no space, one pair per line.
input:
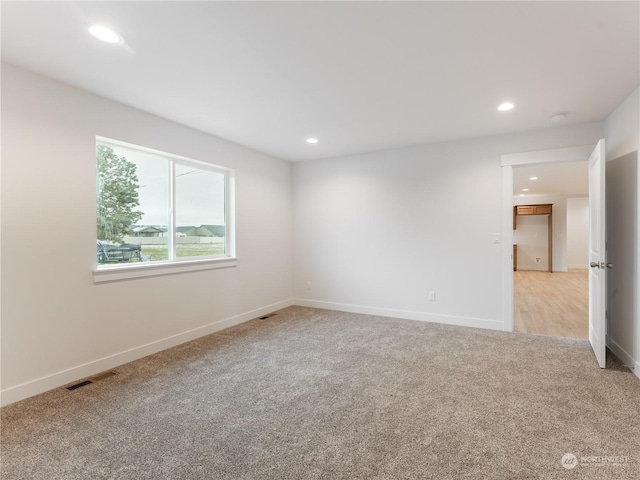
[157,208]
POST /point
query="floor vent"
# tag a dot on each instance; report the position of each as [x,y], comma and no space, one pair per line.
[78,385]
[97,378]
[102,376]
[268,315]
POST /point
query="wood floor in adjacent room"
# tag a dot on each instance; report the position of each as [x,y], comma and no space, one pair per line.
[554,304]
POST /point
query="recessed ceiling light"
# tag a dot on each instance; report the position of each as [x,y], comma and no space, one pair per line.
[312,140]
[558,117]
[506,106]
[525,189]
[522,195]
[533,178]
[105,34]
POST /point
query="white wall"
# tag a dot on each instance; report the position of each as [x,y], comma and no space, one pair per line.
[622,134]
[578,232]
[376,232]
[532,235]
[57,325]
[622,127]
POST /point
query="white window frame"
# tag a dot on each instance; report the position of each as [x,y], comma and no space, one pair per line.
[110,273]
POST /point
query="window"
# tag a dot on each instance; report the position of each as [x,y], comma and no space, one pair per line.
[156,209]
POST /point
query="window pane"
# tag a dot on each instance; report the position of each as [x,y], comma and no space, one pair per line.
[200,219]
[132,205]
[142,210]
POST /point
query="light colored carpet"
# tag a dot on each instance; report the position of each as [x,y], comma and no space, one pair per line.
[314,394]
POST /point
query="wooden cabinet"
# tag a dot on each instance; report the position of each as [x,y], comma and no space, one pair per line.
[524,209]
[533,209]
[540,209]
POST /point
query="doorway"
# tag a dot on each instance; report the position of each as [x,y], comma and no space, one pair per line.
[550,294]
[509,164]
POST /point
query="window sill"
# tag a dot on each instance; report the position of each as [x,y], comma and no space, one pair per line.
[127,272]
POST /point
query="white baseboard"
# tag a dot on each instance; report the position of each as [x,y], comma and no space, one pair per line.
[404,314]
[541,269]
[58,379]
[624,356]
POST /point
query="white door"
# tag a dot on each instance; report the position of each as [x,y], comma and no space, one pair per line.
[597,253]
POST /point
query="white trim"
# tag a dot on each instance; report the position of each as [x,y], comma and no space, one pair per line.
[507,248]
[636,274]
[168,156]
[172,233]
[404,314]
[156,269]
[623,356]
[58,379]
[531,268]
[230,214]
[557,155]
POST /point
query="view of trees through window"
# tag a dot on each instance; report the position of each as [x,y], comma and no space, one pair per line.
[137,191]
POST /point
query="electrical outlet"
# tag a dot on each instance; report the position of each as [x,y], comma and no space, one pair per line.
[308,285]
[538,259]
[432,296]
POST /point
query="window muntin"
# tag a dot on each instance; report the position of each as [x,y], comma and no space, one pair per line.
[154,207]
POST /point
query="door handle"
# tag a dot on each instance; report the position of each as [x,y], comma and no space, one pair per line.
[601,265]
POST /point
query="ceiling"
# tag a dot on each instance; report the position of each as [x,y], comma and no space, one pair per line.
[359,76]
[553,179]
